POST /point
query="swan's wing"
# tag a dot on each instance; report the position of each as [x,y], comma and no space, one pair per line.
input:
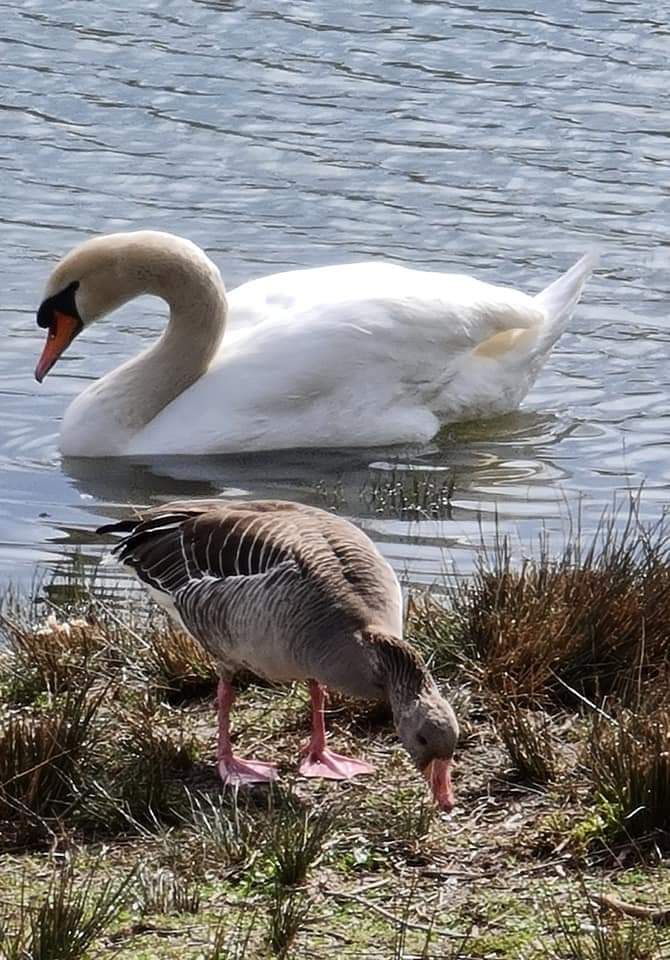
[462,309]
[354,359]
[295,291]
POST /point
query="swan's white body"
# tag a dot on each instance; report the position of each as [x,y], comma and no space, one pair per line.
[359,355]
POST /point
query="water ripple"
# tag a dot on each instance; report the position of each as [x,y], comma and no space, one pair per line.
[491,137]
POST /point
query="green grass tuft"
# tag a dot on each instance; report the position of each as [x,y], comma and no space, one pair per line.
[71,915]
[529,739]
[289,910]
[295,839]
[629,762]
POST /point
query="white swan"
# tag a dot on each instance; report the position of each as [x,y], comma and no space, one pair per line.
[359,355]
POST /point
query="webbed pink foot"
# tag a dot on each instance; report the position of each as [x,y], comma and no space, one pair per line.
[332,766]
[318,760]
[236,772]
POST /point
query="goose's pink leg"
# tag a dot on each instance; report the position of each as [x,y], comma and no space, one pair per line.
[319,761]
[233,770]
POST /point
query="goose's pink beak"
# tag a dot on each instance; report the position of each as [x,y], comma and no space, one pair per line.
[438,775]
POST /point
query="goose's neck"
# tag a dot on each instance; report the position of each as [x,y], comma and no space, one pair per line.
[401,670]
[131,396]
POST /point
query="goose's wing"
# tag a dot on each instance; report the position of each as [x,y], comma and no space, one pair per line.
[169,546]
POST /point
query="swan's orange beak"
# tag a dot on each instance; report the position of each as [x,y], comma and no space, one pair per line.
[62,331]
[438,775]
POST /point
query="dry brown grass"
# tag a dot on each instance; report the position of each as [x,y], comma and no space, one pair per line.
[83,746]
[51,657]
[41,754]
[182,669]
[529,738]
[593,622]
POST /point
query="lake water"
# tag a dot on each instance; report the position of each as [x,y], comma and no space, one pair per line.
[496,138]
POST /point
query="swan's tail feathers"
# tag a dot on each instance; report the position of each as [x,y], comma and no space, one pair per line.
[558,300]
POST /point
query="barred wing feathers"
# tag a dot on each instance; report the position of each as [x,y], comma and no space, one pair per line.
[172,545]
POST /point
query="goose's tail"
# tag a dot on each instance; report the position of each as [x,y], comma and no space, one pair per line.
[558,300]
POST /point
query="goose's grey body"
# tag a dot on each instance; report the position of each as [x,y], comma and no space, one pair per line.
[281,589]
[292,592]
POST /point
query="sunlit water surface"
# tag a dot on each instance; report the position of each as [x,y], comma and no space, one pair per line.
[500,139]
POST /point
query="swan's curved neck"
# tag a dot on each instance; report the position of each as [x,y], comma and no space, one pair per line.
[181,356]
[131,396]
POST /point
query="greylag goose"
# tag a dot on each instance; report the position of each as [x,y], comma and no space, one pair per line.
[292,592]
[366,354]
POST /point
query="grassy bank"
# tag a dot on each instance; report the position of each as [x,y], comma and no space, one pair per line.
[116,838]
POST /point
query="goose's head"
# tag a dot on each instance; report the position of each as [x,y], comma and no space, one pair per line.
[428,730]
[105,272]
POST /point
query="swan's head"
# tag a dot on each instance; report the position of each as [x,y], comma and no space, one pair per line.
[428,730]
[102,274]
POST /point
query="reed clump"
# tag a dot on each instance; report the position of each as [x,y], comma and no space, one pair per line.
[225,828]
[528,737]
[42,755]
[590,624]
[438,632]
[145,772]
[165,891]
[48,658]
[71,915]
[290,908]
[296,836]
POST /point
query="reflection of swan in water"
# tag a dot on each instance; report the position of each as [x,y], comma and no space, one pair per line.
[297,475]
[333,478]
[366,354]
[482,461]
[477,459]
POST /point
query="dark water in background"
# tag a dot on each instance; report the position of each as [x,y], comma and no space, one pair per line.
[497,138]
